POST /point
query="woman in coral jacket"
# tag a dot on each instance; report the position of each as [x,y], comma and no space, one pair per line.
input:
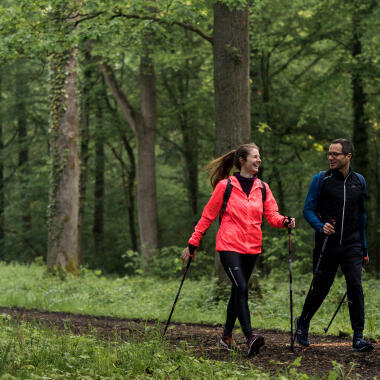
[238,241]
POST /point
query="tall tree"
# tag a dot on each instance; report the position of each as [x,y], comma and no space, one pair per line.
[22,132]
[231,77]
[143,124]
[231,84]
[84,148]
[2,203]
[64,187]
[98,225]
[359,97]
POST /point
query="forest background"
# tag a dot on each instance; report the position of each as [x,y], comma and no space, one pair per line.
[110,110]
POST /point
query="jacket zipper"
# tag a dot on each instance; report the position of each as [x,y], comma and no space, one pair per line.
[344,206]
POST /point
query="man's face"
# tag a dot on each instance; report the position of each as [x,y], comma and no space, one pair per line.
[337,159]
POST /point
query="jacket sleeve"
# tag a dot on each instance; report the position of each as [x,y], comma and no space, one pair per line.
[310,206]
[273,217]
[363,216]
[210,212]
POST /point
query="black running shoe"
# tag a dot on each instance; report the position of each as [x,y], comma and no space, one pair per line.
[360,345]
[302,331]
[254,343]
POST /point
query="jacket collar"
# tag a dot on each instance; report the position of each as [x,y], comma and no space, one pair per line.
[338,174]
[235,182]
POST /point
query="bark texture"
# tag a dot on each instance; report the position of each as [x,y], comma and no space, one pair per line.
[146,171]
[2,203]
[231,78]
[64,192]
[84,152]
[231,84]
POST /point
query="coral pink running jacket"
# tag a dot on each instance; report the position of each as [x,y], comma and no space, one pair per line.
[240,230]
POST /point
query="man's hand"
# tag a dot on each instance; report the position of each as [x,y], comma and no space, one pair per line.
[328,229]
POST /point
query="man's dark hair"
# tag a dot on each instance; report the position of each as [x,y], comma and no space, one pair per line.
[347,146]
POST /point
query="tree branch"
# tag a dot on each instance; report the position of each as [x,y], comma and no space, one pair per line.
[146,18]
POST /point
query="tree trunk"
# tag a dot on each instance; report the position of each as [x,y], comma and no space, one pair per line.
[2,203]
[231,84]
[144,127]
[359,99]
[190,144]
[231,78]
[361,128]
[179,93]
[22,132]
[376,223]
[64,187]
[129,189]
[98,226]
[146,176]
[84,143]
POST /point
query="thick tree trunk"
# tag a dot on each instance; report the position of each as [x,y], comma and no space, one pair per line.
[98,226]
[84,143]
[231,78]
[361,129]
[231,84]
[22,132]
[64,187]
[146,173]
[2,203]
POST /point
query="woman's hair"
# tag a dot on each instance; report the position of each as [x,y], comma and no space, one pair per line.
[220,168]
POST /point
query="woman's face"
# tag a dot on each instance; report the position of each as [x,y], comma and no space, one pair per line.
[252,163]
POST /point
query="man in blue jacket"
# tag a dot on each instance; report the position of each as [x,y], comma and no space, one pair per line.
[334,207]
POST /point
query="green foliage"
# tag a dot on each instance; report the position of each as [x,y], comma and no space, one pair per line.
[276,251]
[152,298]
[167,263]
[301,97]
[31,351]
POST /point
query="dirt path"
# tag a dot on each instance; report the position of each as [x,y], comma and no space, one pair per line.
[316,360]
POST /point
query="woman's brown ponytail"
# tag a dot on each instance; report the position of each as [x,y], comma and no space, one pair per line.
[220,168]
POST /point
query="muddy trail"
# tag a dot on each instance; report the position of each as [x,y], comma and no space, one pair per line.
[203,340]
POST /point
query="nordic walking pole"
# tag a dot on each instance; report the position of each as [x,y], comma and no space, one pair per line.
[336,312]
[179,290]
[291,287]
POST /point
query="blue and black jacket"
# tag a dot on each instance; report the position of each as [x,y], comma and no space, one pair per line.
[331,196]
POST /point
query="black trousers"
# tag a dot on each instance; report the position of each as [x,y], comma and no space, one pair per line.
[350,258]
[239,268]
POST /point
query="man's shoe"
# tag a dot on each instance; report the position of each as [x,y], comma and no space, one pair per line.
[360,345]
[254,343]
[302,331]
[226,342]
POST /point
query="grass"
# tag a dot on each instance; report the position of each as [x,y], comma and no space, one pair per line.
[151,298]
[31,351]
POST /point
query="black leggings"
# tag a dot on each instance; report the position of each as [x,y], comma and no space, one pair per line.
[239,269]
